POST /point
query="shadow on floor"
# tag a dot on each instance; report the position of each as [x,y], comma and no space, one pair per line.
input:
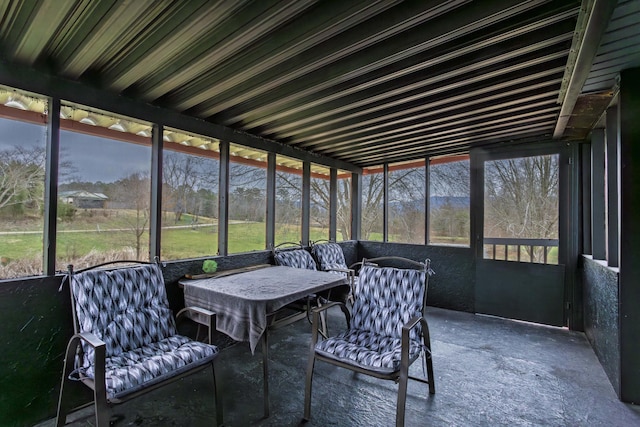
[489,372]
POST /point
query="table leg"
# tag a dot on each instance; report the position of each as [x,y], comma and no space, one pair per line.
[265,370]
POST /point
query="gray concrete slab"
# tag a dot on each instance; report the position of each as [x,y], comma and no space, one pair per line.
[489,372]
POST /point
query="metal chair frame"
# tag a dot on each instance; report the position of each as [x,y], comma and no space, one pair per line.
[401,375]
[101,402]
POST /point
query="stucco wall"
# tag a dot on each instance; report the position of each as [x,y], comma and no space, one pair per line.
[35,325]
[453,285]
[601,323]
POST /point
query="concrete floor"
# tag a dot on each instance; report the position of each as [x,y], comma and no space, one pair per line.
[489,372]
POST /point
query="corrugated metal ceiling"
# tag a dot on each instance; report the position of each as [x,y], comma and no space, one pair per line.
[365,82]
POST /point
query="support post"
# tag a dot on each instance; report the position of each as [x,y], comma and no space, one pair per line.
[628,283]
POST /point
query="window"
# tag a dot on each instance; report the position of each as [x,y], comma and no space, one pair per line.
[23,136]
[103,188]
[190,174]
[247,199]
[521,209]
[288,218]
[449,205]
[319,214]
[372,215]
[407,202]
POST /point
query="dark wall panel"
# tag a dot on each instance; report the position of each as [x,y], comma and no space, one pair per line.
[601,316]
[518,290]
[35,325]
[453,285]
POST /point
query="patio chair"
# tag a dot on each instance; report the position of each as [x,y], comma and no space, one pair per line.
[386,329]
[330,257]
[291,254]
[126,342]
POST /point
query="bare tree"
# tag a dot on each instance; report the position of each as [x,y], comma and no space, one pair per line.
[521,199]
[406,205]
[22,176]
[449,214]
[133,192]
[288,206]
[247,195]
[184,175]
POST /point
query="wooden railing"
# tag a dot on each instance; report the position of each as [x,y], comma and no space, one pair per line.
[537,250]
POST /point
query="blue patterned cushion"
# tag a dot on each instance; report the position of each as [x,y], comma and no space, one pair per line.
[385,300]
[144,366]
[298,258]
[329,256]
[128,309]
[367,350]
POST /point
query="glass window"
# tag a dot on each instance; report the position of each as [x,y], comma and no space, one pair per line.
[247,199]
[23,136]
[190,174]
[407,202]
[343,210]
[288,227]
[320,203]
[103,188]
[521,209]
[372,215]
[449,205]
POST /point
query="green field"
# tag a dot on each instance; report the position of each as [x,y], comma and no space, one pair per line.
[113,234]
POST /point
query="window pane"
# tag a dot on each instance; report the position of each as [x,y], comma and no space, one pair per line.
[190,173]
[521,209]
[320,202]
[449,204]
[372,204]
[22,171]
[247,199]
[343,210]
[288,227]
[407,203]
[104,188]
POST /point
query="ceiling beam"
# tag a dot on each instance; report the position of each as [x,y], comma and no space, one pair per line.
[595,18]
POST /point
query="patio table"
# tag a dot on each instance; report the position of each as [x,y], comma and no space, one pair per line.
[245,302]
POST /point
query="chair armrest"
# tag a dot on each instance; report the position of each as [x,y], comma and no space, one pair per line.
[315,323]
[90,339]
[99,355]
[411,324]
[201,316]
[406,328]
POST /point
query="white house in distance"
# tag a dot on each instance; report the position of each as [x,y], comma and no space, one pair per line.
[84,199]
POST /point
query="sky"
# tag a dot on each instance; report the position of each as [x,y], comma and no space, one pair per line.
[93,158]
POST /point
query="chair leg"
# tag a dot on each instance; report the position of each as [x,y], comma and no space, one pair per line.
[218,397]
[103,411]
[307,388]
[61,417]
[427,354]
[402,396]
[430,377]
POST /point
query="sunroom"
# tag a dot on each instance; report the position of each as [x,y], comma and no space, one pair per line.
[497,139]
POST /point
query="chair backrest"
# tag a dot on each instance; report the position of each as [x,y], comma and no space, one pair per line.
[298,258]
[127,308]
[329,255]
[386,298]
